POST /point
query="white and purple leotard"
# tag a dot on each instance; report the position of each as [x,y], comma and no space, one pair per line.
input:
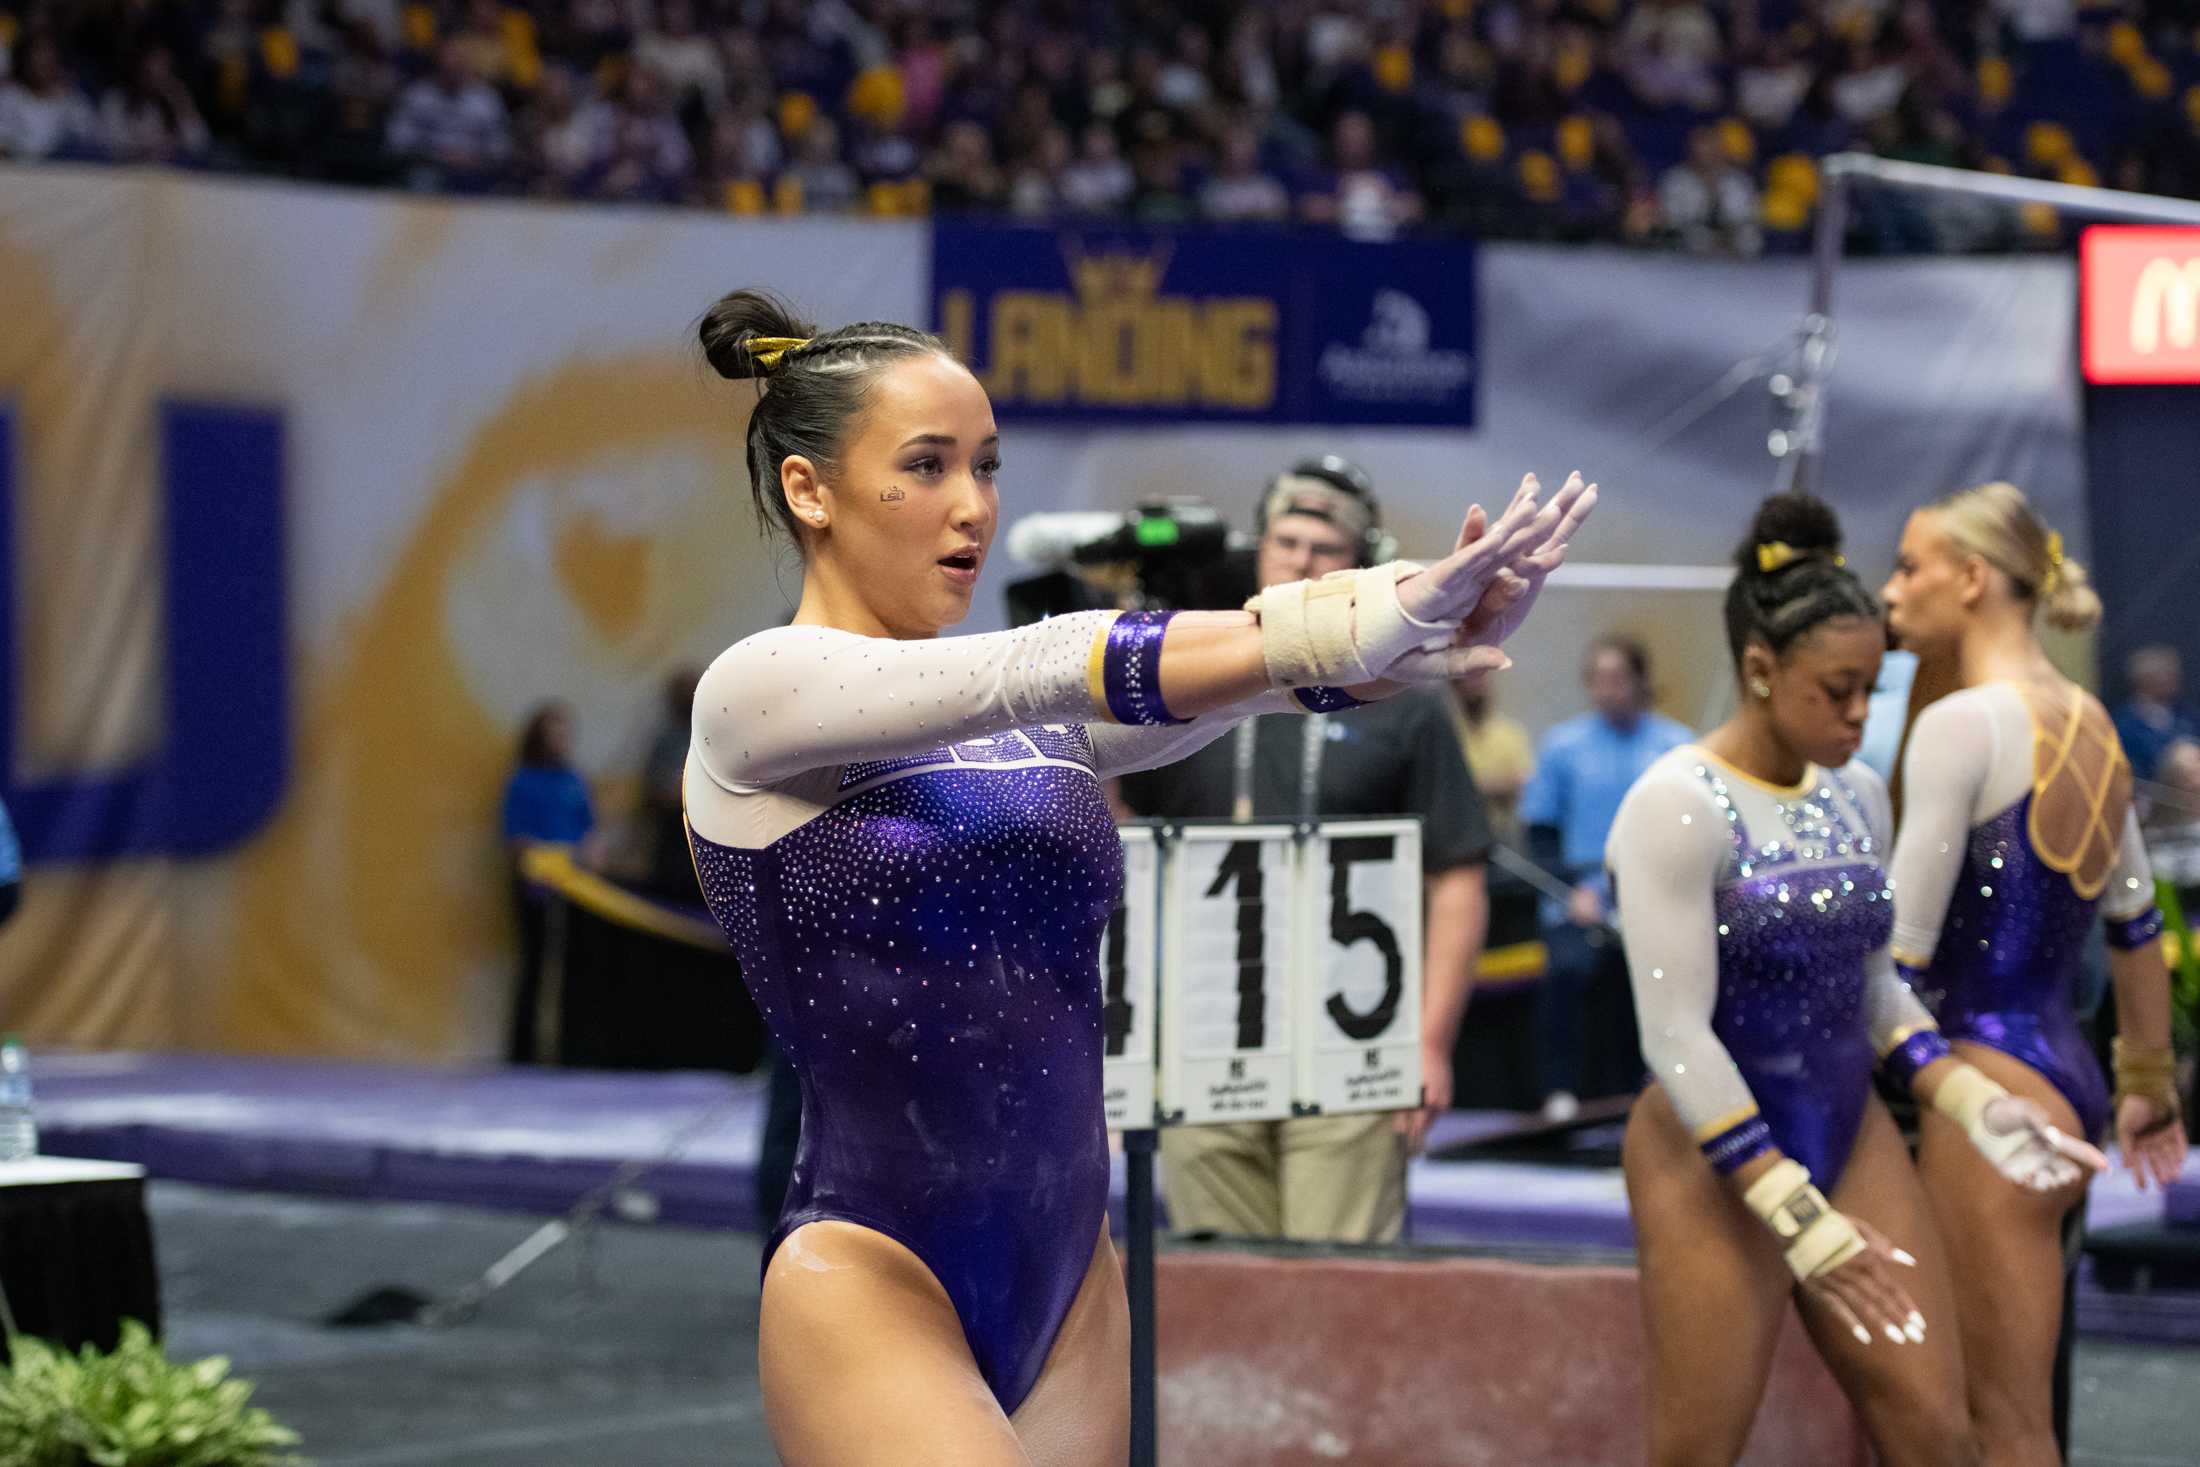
[908,845]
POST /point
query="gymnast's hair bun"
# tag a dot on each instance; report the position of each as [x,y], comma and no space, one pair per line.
[1801,522]
[742,317]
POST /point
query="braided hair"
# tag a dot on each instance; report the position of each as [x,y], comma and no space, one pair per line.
[810,395]
[1790,577]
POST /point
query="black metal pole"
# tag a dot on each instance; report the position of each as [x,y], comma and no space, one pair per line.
[1138,1150]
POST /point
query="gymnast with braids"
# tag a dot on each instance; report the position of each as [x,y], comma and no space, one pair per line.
[1760,1166]
[905,837]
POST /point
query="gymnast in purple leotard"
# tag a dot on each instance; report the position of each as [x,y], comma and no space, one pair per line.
[905,838]
[2017,835]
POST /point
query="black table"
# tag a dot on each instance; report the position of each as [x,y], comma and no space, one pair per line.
[76,1250]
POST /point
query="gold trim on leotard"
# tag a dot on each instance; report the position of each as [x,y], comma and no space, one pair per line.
[2091,858]
[1811,773]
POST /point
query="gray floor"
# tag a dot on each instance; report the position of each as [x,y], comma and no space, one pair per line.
[654,1364]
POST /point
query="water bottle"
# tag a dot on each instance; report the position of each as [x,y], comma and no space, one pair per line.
[18,1125]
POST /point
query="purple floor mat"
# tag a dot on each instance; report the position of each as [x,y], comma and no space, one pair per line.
[535,1140]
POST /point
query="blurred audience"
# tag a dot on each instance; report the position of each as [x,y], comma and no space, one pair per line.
[2154,714]
[1512,117]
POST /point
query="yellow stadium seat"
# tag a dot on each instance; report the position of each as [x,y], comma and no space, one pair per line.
[743,196]
[2041,220]
[2125,44]
[1572,67]
[2192,106]
[1394,68]
[1785,211]
[418,27]
[787,194]
[2152,80]
[2078,173]
[878,96]
[8,29]
[2047,144]
[1577,143]
[1796,174]
[1539,177]
[279,52]
[1995,81]
[797,110]
[1481,139]
[1737,141]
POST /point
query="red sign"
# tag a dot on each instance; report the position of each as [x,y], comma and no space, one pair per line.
[2139,313]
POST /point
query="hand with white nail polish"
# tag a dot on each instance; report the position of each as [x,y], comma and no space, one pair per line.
[1865,1293]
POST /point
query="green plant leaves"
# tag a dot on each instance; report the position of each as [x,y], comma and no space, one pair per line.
[132,1407]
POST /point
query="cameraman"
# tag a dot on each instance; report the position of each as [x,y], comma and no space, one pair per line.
[1332,1178]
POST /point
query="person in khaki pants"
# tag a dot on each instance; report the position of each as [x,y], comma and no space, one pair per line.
[1332,1178]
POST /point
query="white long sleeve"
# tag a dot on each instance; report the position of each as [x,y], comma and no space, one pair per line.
[1667,851]
[1954,745]
[800,698]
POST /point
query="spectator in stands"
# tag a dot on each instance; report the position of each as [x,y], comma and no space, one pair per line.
[827,185]
[45,114]
[154,119]
[963,177]
[650,155]
[450,130]
[1161,196]
[1099,182]
[1359,194]
[1499,752]
[2154,714]
[1668,51]
[1771,83]
[689,64]
[1035,185]
[499,46]
[361,84]
[545,803]
[1709,203]
[1585,1037]
[569,140]
[1240,189]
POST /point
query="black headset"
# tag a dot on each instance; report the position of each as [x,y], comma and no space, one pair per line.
[1376,545]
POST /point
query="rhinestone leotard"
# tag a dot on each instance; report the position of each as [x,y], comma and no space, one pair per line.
[1990,928]
[908,846]
[1756,922]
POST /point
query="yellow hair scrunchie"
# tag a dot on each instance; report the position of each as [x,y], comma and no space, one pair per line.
[2053,578]
[1776,554]
[768,351]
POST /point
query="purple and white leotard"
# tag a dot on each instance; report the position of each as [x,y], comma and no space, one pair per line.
[1756,921]
[908,845]
[1990,924]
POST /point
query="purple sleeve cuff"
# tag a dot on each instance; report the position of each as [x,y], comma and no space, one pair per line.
[1913,1054]
[1131,668]
[1326,700]
[1738,1145]
[2126,933]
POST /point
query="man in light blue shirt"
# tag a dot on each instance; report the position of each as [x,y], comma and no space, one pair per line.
[11,866]
[1584,1020]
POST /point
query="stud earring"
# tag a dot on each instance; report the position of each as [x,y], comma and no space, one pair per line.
[1761,688]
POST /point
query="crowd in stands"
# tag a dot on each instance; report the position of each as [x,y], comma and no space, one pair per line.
[1694,122]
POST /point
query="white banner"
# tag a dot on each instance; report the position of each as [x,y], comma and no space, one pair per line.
[1359,988]
[1127,990]
[1228,952]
